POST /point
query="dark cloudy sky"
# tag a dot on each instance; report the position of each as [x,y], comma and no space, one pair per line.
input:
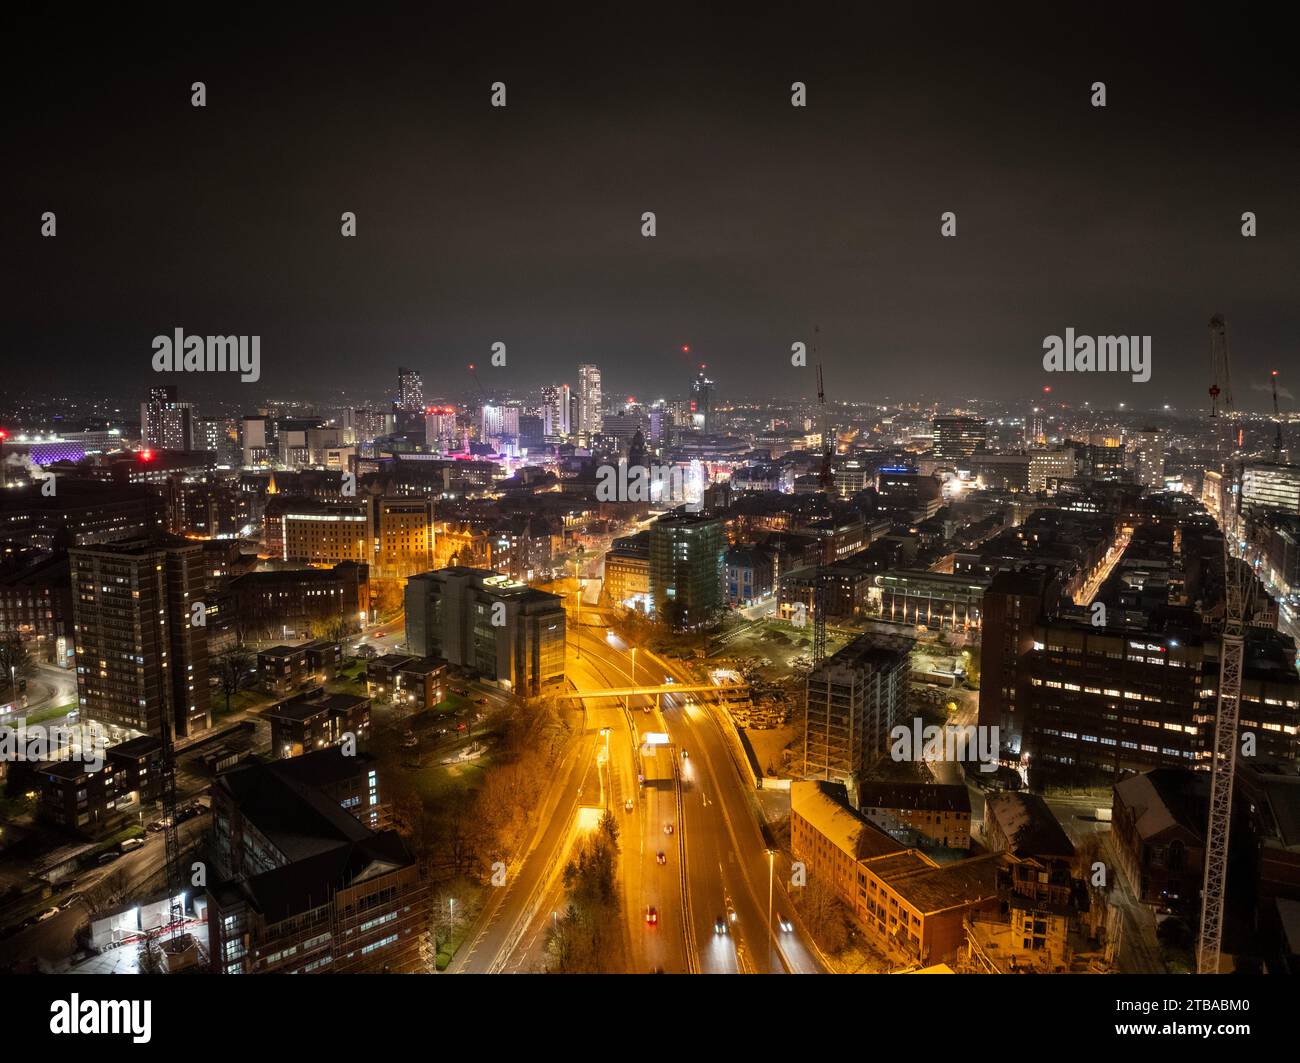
[522,225]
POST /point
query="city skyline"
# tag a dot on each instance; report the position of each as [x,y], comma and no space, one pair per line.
[770,219]
[653,490]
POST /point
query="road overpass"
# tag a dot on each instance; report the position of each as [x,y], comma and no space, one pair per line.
[667,688]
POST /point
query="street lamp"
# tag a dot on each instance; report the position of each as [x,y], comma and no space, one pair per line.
[771,875]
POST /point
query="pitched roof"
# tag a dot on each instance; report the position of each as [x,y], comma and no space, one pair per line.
[1028,824]
[821,806]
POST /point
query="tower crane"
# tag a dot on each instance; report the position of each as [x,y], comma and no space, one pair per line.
[1223,768]
[152,954]
[1277,438]
[826,480]
[1220,380]
[1231,655]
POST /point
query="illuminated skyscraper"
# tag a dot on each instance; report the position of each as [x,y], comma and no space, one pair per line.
[589,401]
[702,401]
[166,424]
[410,391]
[958,437]
[1149,457]
[555,412]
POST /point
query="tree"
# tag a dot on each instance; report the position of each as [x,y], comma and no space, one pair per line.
[824,914]
[233,667]
[609,828]
[331,628]
[387,595]
[15,661]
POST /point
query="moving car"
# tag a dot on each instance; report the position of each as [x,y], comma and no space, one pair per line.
[668,828]
[785,924]
[661,857]
[720,925]
[652,916]
[628,804]
[49,913]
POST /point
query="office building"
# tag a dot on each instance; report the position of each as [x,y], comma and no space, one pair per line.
[687,569]
[1269,487]
[142,661]
[909,492]
[322,533]
[999,472]
[502,629]
[957,438]
[1046,467]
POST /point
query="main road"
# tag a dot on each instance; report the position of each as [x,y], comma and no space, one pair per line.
[729,871]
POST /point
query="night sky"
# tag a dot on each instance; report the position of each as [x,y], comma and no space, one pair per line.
[523,225]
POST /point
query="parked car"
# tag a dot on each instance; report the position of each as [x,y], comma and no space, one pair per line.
[49,913]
